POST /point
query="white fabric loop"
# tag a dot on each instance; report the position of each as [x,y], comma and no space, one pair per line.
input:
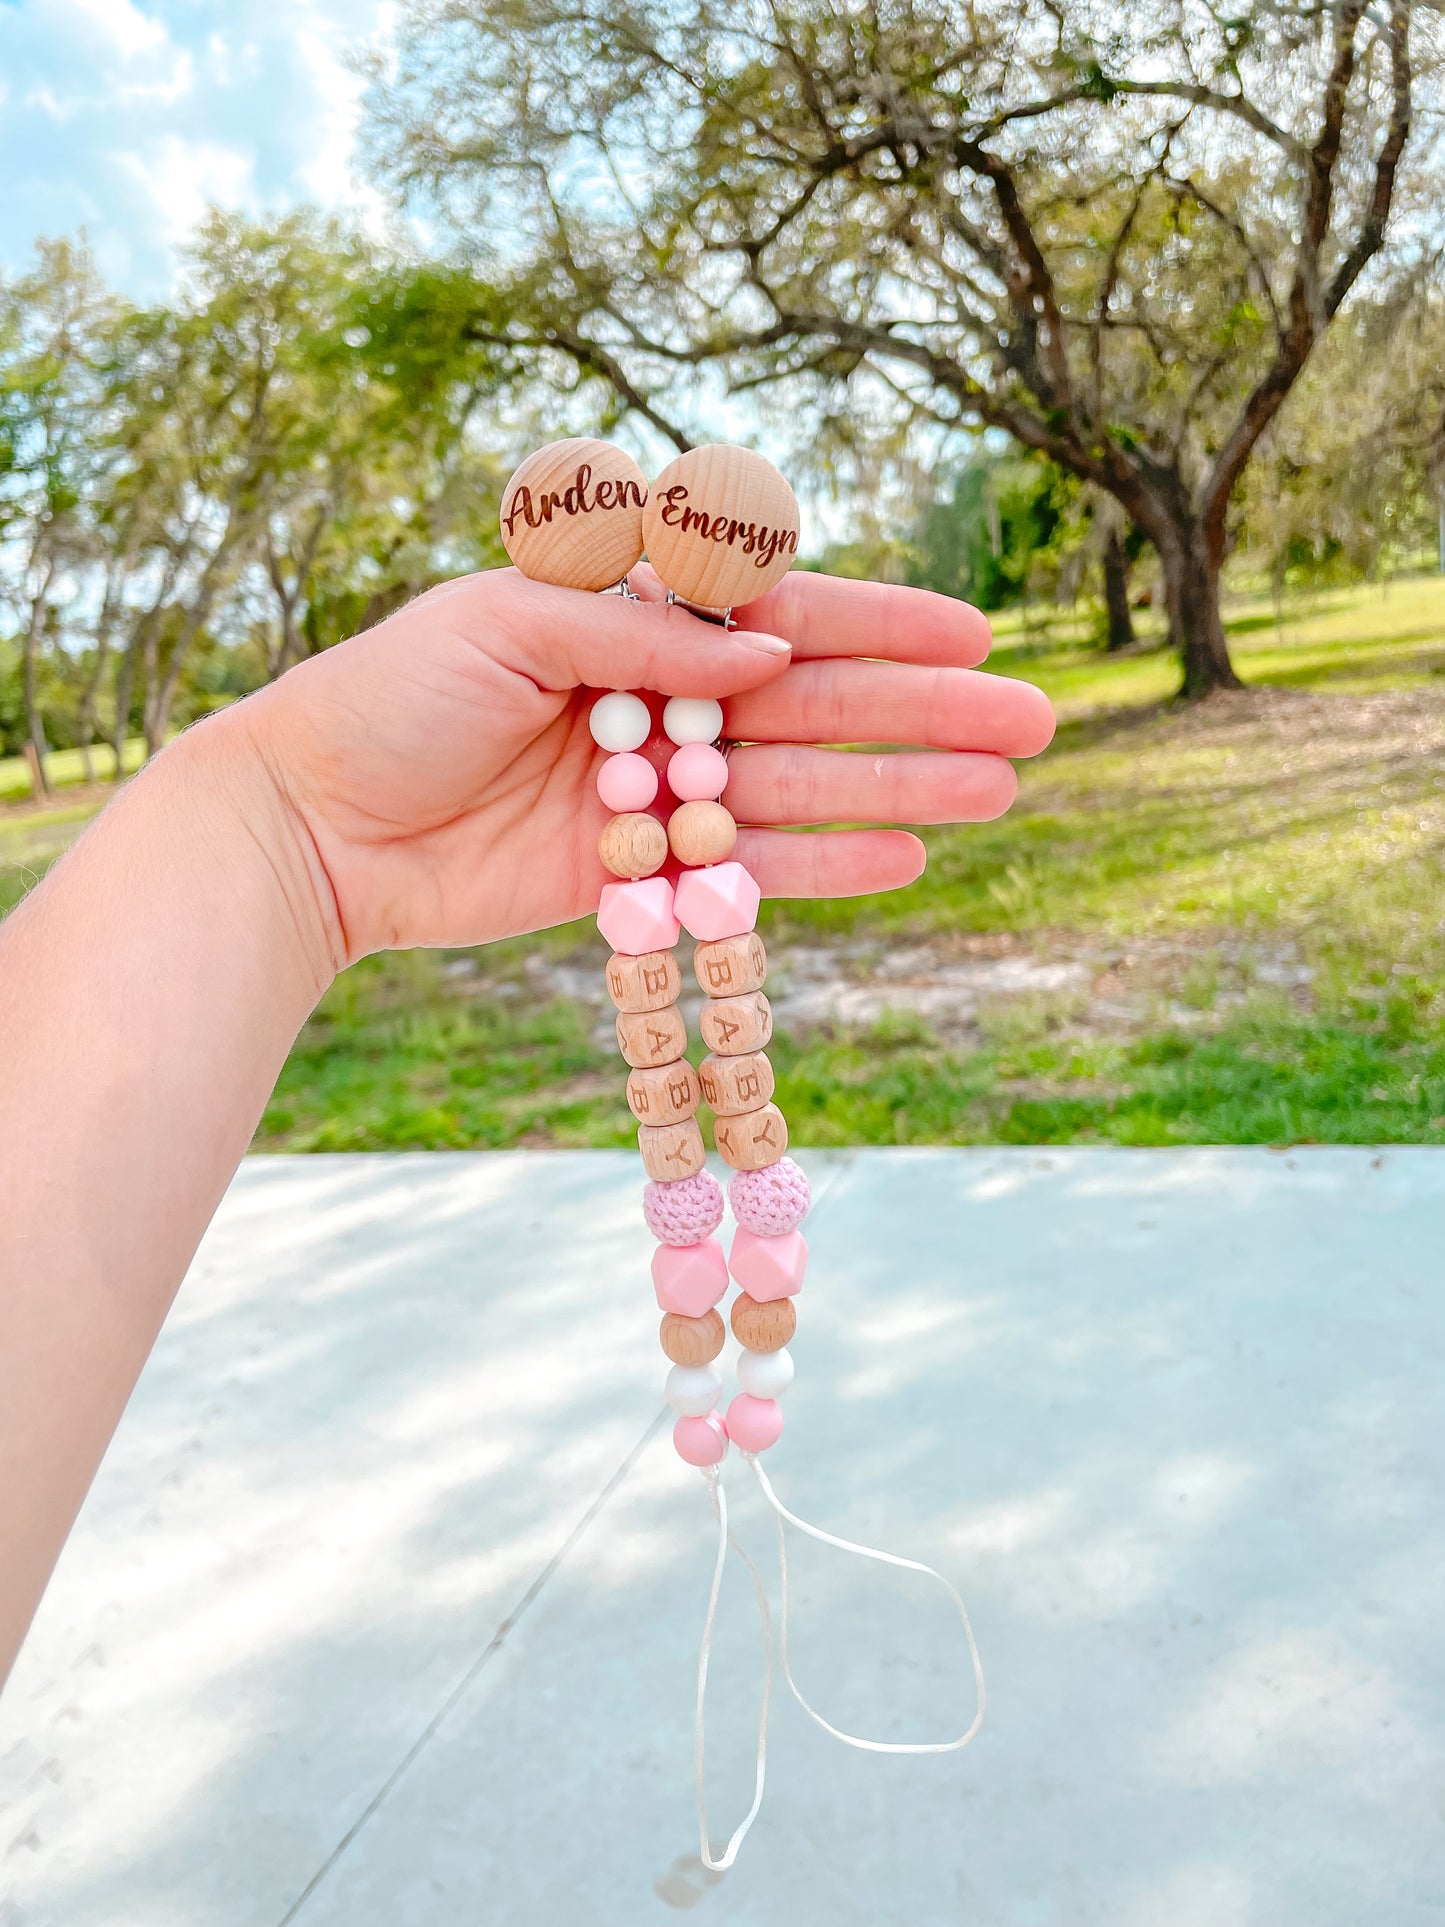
[724,1540]
[885,1559]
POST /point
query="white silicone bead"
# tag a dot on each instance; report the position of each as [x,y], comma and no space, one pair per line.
[693,1390]
[765,1374]
[692,719]
[620,722]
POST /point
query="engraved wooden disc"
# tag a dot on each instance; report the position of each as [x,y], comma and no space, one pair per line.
[572,514]
[721,526]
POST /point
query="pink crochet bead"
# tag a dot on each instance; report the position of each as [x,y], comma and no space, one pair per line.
[771,1201]
[690,1278]
[697,773]
[754,1423]
[701,1441]
[683,1211]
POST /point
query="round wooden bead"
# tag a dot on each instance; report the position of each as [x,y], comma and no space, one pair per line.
[671,1150]
[643,983]
[760,1328]
[732,966]
[701,833]
[732,1026]
[733,1085]
[633,845]
[651,1036]
[663,1093]
[697,1341]
[753,1140]
[572,514]
[721,526]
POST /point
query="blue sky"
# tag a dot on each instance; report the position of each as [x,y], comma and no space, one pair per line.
[126,117]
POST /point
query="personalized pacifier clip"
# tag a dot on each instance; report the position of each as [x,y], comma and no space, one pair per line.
[720,528]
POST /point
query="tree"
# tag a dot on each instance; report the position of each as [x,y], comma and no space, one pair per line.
[1116,232]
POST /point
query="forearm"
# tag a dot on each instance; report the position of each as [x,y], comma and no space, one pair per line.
[150,989]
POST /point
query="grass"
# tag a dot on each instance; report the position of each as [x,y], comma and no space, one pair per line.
[1250,894]
[65,768]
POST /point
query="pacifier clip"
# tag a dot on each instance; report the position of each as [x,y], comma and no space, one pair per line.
[720,527]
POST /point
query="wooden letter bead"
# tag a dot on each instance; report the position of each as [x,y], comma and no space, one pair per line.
[732,1026]
[572,514]
[755,1139]
[697,1341]
[647,1037]
[671,1150]
[721,526]
[701,833]
[732,1085]
[633,845]
[761,1328]
[644,983]
[663,1093]
[732,966]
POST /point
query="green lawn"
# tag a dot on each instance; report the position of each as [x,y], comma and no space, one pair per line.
[1249,894]
[65,768]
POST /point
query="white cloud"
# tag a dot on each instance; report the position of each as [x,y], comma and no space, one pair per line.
[129,116]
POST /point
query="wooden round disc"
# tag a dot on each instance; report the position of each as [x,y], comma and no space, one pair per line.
[721,526]
[572,514]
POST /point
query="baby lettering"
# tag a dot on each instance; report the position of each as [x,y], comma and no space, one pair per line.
[760,543]
[574,500]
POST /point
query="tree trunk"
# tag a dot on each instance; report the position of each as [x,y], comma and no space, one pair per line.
[1116,592]
[34,722]
[1191,565]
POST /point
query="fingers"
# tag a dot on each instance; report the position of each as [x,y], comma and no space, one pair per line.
[884,702]
[563,638]
[836,863]
[795,783]
[829,615]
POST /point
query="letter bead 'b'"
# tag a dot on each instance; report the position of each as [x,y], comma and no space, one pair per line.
[735,1084]
[663,1093]
[644,983]
[732,966]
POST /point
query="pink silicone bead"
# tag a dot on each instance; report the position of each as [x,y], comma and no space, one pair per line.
[753,1423]
[697,773]
[636,918]
[719,901]
[701,1441]
[683,1211]
[689,1278]
[770,1201]
[768,1268]
[627,782]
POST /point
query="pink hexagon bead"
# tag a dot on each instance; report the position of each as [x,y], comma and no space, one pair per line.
[683,1211]
[754,1423]
[637,917]
[719,901]
[697,773]
[771,1201]
[627,782]
[701,1441]
[689,1278]
[768,1268]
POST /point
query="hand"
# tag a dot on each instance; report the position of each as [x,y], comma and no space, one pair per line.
[442,767]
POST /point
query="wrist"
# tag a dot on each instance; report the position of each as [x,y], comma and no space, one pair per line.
[234,794]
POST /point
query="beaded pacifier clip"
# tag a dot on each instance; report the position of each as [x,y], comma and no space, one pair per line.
[720,528]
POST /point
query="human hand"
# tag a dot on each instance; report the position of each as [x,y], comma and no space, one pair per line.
[442,767]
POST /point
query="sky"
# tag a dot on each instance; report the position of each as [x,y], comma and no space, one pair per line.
[127,117]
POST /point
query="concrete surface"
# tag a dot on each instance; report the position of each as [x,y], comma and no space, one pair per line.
[383,1611]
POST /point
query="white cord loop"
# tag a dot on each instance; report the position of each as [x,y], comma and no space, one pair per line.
[885,1559]
[726,1539]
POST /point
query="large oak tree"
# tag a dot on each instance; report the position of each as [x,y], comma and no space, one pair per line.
[1116,230]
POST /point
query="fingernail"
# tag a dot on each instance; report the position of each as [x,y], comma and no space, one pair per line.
[760,639]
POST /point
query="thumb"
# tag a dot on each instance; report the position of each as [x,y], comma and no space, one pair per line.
[563,638]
